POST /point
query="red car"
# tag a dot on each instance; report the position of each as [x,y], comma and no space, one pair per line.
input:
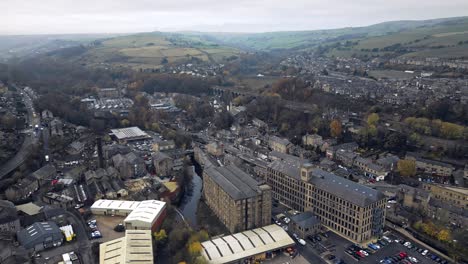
[403,254]
[360,254]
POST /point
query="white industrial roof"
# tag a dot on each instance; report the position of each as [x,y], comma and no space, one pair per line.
[115,205]
[135,247]
[144,211]
[129,133]
[245,244]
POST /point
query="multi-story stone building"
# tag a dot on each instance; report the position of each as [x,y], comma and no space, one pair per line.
[279,144]
[453,195]
[431,166]
[312,140]
[238,200]
[348,208]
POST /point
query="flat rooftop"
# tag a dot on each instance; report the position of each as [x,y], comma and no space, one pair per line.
[242,245]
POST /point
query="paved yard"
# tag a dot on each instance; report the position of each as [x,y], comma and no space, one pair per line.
[286,259]
[106,224]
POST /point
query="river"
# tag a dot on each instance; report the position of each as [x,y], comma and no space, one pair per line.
[189,203]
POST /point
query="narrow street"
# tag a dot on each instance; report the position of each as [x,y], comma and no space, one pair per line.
[30,139]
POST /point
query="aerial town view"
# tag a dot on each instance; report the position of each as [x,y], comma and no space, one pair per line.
[245,132]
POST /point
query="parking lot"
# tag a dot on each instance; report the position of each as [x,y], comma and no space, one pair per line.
[106,224]
[338,246]
[332,249]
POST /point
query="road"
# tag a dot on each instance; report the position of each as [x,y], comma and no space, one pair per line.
[30,139]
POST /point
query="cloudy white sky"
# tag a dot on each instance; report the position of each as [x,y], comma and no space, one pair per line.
[123,16]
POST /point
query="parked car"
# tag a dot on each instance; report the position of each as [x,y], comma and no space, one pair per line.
[96,234]
[360,254]
[301,241]
[424,253]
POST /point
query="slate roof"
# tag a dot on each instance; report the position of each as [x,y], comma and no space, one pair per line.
[159,156]
[236,183]
[305,220]
[288,166]
[282,141]
[348,190]
[37,232]
[45,172]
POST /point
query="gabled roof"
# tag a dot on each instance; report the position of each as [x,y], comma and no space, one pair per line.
[305,220]
[46,172]
[232,248]
[35,233]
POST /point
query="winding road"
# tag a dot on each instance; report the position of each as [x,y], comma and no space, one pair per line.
[30,140]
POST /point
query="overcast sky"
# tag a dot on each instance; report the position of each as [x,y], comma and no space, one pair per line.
[123,16]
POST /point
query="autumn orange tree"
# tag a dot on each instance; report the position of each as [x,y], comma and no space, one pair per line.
[336,128]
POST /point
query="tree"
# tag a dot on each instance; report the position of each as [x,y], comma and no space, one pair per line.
[223,120]
[372,119]
[406,167]
[335,128]
[8,121]
[160,236]
[443,235]
[12,194]
[124,122]
[429,228]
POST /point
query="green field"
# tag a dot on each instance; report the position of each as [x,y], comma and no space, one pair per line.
[149,50]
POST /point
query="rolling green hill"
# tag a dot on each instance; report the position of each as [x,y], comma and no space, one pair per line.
[151,50]
[415,38]
[447,38]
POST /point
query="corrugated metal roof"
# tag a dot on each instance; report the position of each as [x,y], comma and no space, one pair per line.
[238,246]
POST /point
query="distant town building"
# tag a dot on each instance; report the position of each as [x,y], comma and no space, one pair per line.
[45,174]
[413,198]
[59,200]
[313,140]
[129,165]
[128,134]
[239,201]
[305,224]
[279,144]
[455,196]
[431,166]
[9,221]
[109,92]
[163,164]
[215,149]
[164,145]
[371,169]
